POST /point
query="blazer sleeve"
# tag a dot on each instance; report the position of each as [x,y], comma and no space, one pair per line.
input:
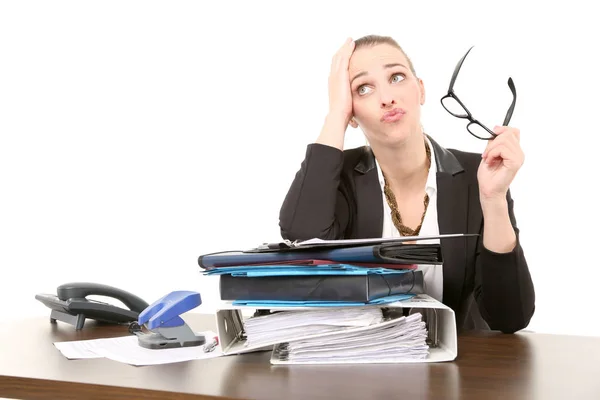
[503,286]
[316,205]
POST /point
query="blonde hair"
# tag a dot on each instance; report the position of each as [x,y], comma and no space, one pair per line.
[373,40]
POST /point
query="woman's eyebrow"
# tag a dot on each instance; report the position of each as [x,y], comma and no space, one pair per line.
[385,66]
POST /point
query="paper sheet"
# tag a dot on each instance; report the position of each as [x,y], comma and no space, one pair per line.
[403,338]
[283,326]
[78,349]
[126,349]
[317,241]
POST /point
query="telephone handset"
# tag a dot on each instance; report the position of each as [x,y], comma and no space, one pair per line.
[71,305]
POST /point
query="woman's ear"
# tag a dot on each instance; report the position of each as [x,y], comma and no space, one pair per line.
[422,87]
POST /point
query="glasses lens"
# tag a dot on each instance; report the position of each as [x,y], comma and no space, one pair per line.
[479,131]
[454,107]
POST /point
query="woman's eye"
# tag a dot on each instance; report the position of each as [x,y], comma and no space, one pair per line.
[397,78]
[362,90]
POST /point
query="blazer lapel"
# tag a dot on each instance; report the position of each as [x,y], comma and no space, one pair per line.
[369,200]
[453,196]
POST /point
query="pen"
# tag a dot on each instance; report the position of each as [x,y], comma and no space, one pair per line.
[210,346]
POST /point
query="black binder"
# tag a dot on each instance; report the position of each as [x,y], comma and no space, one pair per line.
[350,288]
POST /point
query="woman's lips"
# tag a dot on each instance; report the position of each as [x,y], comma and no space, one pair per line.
[394,115]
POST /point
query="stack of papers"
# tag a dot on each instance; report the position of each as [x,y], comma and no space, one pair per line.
[397,340]
[284,326]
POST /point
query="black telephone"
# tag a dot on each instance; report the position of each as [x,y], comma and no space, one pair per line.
[70,304]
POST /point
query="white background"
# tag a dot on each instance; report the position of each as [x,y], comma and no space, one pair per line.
[136,136]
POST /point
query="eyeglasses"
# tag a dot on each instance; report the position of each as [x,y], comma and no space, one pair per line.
[454,106]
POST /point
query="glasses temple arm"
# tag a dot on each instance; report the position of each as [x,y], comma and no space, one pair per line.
[511,109]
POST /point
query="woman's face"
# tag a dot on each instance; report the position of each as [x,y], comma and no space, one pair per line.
[386,95]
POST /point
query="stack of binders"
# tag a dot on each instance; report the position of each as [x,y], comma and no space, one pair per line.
[324,273]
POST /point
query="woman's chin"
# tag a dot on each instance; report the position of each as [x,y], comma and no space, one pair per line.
[395,137]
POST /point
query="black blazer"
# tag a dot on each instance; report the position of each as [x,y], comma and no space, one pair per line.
[336,195]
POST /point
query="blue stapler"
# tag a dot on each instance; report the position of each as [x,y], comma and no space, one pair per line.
[167,328]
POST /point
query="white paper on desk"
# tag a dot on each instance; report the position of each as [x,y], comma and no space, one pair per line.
[78,349]
[126,349]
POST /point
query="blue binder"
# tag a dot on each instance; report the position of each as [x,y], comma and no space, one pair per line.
[300,270]
[316,303]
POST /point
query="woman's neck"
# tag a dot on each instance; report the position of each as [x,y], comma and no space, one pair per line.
[404,165]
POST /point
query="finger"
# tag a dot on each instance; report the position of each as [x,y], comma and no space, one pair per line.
[335,62]
[492,151]
[513,132]
[505,138]
[343,47]
[343,58]
[338,54]
[510,140]
[502,153]
[507,141]
[349,43]
[498,152]
[349,48]
[499,130]
[493,162]
[517,133]
[491,144]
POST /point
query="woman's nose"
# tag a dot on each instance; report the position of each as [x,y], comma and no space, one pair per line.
[387,103]
[387,99]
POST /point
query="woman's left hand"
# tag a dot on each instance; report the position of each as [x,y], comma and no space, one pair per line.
[500,162]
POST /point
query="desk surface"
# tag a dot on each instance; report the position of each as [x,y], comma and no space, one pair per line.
[489,365]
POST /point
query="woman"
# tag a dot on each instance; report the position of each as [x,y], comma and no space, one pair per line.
[404,183]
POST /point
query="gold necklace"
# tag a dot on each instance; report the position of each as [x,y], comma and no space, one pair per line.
[391,200]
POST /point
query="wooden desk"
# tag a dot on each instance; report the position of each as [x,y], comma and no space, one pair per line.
[489,366]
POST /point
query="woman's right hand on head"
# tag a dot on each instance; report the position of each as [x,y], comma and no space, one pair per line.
[340,95]
[340,99]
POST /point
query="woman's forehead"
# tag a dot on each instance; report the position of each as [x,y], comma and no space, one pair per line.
[375,57]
